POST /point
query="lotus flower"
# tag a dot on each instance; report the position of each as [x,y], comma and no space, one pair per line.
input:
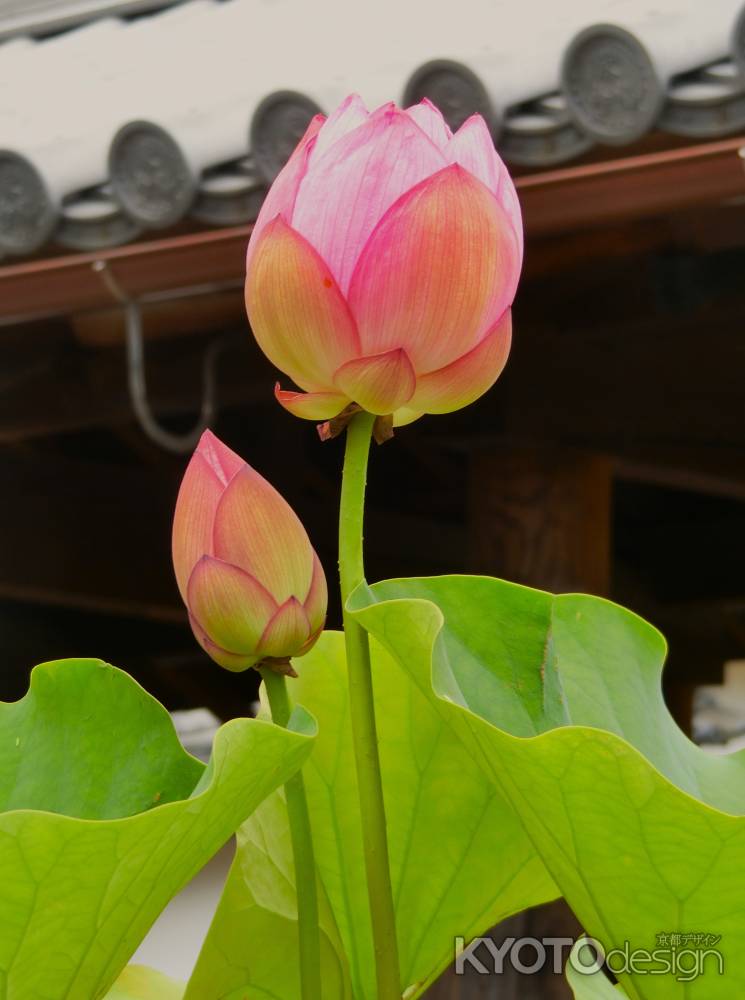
[254,586]
[384,262]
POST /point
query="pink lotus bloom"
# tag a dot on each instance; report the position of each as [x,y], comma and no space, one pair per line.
[254,586]
[384,262]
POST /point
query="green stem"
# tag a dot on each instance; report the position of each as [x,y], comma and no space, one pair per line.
[362,709]
[302,849]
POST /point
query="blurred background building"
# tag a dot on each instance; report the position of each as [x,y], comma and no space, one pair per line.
[137,140]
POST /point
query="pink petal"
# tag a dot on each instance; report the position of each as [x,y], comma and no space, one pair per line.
[287,632]
[473,148]
[381,383]
[258,531]
[211,468]
[347,189]
[434,271]
[310,642]
[511,205]
[463,381]
[311,405]
[231,607]
[317,599]
[298,315]
[231,661]
[222,460]
[280,199]
[350,113]
[429,119]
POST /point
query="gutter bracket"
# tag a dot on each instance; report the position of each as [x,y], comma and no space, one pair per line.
[136,378]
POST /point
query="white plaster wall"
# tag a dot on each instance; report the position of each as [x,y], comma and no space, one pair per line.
[173,944]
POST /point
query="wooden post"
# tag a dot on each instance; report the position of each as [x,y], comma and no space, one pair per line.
[541,517]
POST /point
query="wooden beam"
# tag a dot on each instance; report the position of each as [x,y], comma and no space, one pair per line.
[195,315]
[632,187]
[95,535]
[556,201]
[709,472]
[702,636]
[178,265]
[541,517]
[77,388]
[651,383]
[88,535]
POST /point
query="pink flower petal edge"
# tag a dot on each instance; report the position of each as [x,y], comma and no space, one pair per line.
[381,383]
[473,148]
[430,121]
[210,469]
[462,382]
[311,405]
[349,187]
[287,632]
[299,317]
[350,113]
[231,606]
[257,530]
[429,273]
[230,661]
[280,199]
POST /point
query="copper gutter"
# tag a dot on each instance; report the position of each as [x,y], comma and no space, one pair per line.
[72,283]
[555,201]
[632,188]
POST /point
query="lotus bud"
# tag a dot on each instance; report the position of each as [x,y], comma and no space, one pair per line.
[383,264]
[253,585]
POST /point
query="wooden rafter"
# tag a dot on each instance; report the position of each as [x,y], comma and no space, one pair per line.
[556,201]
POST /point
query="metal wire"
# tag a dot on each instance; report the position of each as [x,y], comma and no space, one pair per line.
[137,381]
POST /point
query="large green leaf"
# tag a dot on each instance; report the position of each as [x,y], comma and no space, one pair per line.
[593,985]
[559,699]
[104,817]
[251,948]
[140,983]
[460,859]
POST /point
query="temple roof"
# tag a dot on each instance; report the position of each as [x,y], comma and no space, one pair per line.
[116,120]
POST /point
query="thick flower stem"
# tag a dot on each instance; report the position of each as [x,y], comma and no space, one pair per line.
[302,849]
[362,709]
